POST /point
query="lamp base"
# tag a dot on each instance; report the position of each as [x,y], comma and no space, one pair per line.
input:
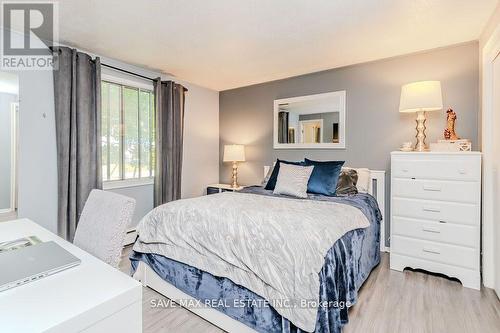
[235,175]
[421,145]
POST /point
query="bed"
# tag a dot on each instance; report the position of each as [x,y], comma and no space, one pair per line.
[264,290]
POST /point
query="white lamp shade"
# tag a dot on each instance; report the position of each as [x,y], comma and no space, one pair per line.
[234,153]
[421,96]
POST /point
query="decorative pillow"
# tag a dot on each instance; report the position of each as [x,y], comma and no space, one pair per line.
[266,178]
[324,177]
[347,182]
[271,183]
[292,180]
[363,178]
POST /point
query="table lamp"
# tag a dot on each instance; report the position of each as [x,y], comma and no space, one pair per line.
[235,154]
[420,97]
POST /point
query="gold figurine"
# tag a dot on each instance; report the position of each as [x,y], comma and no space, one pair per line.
[449,132]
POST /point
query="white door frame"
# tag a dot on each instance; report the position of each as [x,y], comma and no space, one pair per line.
[301,125]
[9,212]
[14,107]
[490,52]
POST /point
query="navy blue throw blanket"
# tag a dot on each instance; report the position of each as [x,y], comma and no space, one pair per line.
[347,265]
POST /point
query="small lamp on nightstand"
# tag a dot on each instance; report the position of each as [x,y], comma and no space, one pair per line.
[235,154]
[420,97]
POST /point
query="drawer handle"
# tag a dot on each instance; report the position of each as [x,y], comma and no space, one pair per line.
[431,209]
[433,230]
[462,171]
[432,188]
[429,250]
[405,170]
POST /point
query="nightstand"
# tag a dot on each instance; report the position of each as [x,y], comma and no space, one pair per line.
[218,188]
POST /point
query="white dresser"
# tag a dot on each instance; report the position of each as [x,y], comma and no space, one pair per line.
[436,213]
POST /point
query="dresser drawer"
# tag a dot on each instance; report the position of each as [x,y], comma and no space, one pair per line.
[462,235]
[438,211]
[438,252]
[451,168]
[454,191]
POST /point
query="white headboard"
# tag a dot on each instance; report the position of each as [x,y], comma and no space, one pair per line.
[377,190]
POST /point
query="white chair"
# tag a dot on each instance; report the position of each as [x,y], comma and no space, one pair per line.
[102,226]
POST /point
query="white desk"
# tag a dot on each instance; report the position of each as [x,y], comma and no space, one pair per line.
[92,297]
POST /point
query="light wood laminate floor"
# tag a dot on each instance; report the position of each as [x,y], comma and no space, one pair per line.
[389,301]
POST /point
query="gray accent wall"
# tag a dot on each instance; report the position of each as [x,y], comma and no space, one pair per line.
[374,125]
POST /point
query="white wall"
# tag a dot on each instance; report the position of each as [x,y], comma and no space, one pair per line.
[37,155]
[201,141]
[489,48]
[37,166]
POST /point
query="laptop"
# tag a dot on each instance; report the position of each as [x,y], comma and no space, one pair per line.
[34,262]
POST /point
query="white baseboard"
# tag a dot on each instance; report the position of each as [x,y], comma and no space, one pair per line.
[8,216]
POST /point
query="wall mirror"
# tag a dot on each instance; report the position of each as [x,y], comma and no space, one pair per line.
[8,136]
[308,122]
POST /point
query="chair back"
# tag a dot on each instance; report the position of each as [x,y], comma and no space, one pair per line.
[103,224]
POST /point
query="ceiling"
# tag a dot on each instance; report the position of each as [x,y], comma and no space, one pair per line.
[224,44]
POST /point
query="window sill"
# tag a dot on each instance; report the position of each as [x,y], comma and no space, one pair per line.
[114,184]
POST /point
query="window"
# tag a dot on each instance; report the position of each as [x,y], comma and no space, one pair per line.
[127,132]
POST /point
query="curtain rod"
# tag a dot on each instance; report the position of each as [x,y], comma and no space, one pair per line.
[125,71]
[116,68]
[128,72]
[132,73]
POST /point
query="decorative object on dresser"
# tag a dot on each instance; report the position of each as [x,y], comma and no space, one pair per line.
[452,145]
[451,140]
[234,154]
[406,146]
[420,97]
[449,132]
[219,188]
[436,213]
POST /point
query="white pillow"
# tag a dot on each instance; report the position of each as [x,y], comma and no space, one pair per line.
[363,179]
[292,180]
[268,175]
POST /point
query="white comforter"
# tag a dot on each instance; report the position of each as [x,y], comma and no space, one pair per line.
[272,246]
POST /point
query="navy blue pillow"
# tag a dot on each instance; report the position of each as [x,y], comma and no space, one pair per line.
[271,183]
[324,177]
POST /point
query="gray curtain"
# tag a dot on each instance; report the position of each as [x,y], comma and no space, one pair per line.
[169,102]
[77,96]
[283,127]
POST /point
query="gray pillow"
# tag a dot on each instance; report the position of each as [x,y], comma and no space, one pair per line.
[292,180]
[346,185]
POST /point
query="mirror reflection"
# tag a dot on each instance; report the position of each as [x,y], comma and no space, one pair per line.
[296,127]
[310,121]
